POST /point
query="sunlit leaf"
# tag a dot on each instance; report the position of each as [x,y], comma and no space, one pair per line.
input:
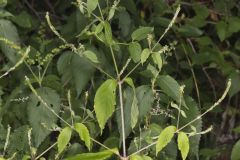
[105,101]
[144,55]
[63,139]
[83,134]
[183,144]
[164,138]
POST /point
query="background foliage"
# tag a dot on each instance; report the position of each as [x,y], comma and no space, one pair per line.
[201,52]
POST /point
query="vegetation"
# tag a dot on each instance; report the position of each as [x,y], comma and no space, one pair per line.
[122,79]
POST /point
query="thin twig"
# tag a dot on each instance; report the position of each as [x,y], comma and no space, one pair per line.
[40,155]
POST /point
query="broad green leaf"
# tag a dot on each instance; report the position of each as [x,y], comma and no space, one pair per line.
[108,33]
[145,54]
[145,100]
[135,51]
[75,70]
[40,116]
[93,156]
[83,134]
[170,87]
[63,139]
[91,5]
[134,112]
[91,56]
[9,31]
[105,101]
[141,33]
[221,30]
[157,59]
[235,155]
[183,144]
[165,137]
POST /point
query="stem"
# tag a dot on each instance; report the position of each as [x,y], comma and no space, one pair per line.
[105,147]
[122,118]
[135,67]
[114,61]
[45,151]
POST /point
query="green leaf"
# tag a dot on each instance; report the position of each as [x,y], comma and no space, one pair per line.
[138,157]
[235,87]
[235,155]
[134,112]
[183,144]
[157,59]
[3,3]
[23,20]
[134,107]
[170,87]
[93,156]
[9,31]
[75,69]
[83,134]
[40,116]
[201,11]
[141,33]
[190,31]
[63,139]
[145,100]
[91,5]
[135,50]
[108,33]
[165,137]
[91,56]
[221,30]
[124,22]
[145,54]
[129,81]
[105,101]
